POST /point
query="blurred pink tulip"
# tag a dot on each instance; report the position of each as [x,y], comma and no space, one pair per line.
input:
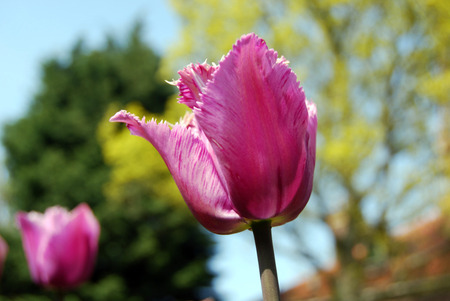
[60,246]
[247,150]
[3,253]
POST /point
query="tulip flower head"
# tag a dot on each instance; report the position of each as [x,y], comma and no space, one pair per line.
[246,151]
[60,246]
[3,253]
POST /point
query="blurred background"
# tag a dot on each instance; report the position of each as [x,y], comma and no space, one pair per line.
[376,227]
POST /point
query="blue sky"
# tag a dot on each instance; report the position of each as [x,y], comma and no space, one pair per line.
[32,31]
[35,30]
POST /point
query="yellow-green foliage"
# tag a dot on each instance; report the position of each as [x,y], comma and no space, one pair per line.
[352,142]
[437,86]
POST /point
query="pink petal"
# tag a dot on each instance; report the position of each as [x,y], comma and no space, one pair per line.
[187,156]
[254,113]
[29,225]
[3,252]
[305,189]
[192,81]
[74,248]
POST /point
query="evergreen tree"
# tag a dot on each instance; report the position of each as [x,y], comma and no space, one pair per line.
[150,248]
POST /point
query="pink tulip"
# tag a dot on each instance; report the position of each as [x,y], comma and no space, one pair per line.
[3,253]
[60,246]
[246,152]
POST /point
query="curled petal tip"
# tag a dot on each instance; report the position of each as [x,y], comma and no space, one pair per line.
[134,124]
[123,115]
[192,82]
[172,82]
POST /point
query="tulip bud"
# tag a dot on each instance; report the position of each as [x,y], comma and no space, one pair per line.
[60,246]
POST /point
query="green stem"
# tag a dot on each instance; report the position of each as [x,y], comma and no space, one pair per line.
[266,259]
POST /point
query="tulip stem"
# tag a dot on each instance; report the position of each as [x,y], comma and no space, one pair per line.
[262,231]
